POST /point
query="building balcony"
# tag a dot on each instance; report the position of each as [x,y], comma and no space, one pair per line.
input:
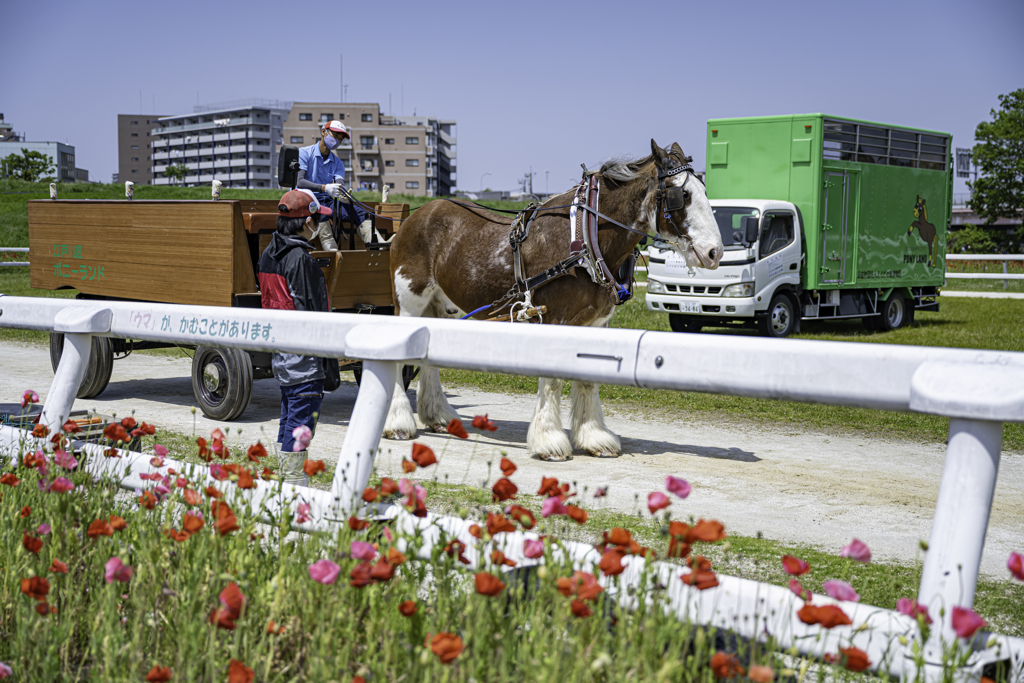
[447,139]
[373,171]
[206,125]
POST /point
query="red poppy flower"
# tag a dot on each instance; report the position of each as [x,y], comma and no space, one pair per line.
[274,629]
[799,590]
[40,431]
[396,558]
[601,492]
[611,562]
[239,673]
[828,616]
[31,543]
[9,479]
[761,674]
[116,432]
[356,524]
[360,575]
[618,536]
[576,513]
[267,474]
[369,494]
[583,584]
[726,666]
[457,548]
[71,427]
[313,467]
[548,487]
[707,531]
[257,452]
[701,578]
[226,522]
[423,456]
[475,532]
[408,466]
[232,599]
[855,659]
[111,453]
[191,497]
[100,527]
[26,511]
[245,480]
[408,608]
[147,429]
[220,449]
[447,646]
[504,489]
[382,571]
[497,524]
[129,423]
[158,674]
[499,559]
[36,587]
[58,567]
[508,467]
[204,452]
[212,492]
[147,500]
[118,523]
[580,609]
[43,608]
[192,523]
[481,422]
[388,487]
[175,535]
[521,515]
[455,428]
[794,565]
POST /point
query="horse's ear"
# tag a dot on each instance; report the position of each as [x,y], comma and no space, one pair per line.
[676,148]
[658,153]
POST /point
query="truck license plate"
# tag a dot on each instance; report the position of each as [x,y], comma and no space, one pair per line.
[689,307]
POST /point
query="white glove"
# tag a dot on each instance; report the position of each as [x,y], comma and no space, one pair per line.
[333,189]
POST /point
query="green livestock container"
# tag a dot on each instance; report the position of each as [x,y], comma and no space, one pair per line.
[874,199]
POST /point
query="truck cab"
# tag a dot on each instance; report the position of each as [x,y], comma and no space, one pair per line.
[757,283]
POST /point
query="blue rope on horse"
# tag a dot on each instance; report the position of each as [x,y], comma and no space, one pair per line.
[470,315]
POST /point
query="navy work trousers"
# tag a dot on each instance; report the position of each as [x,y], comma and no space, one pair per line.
[300,405]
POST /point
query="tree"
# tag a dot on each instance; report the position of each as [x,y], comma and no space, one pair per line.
[177,172]
[999,154]
[29,166]
[971,240]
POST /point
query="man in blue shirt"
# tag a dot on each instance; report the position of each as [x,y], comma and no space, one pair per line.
[323,173]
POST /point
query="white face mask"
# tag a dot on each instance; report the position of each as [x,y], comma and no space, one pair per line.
[331,142]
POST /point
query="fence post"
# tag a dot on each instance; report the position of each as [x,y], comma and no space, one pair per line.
[1006,283]
[78,324]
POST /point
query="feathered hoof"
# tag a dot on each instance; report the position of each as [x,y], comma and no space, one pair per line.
[604,454]
[554,457]
[438,428]
[398,435]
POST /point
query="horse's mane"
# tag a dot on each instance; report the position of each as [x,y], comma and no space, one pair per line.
[621,170]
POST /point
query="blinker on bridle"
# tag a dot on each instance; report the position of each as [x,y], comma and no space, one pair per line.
[673,198]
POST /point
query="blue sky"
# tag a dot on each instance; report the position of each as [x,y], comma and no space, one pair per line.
[547,84]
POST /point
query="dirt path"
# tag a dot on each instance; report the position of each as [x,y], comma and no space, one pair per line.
[795,487]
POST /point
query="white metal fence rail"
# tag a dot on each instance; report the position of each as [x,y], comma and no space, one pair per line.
[13,250]
[977,390]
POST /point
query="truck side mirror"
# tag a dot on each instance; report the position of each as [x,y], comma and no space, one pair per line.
[750,228]
[288,167]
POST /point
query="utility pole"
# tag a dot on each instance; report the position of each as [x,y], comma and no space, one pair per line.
[341,72]
[546,191]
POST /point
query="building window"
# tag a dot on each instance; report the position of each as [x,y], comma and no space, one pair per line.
[389,141]
[135,170]
[135,123]
[306,117]
[135,146]
[366,141]
[368,118]
[390,185]
[389,163]
[135,158]
[341,117]
[412,162]
[326,118]
[135,135]
[296,139]
[412,141]
[412,185]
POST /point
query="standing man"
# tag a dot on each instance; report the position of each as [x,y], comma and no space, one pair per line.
[318,170]
[291,280]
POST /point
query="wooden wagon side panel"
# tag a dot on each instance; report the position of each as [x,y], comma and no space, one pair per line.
[358,277]
[243,275]
[163,251]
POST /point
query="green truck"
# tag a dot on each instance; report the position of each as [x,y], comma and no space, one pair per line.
[822,217]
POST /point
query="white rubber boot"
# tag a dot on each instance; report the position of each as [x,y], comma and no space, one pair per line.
[290,468]
[327,240]
[366,231]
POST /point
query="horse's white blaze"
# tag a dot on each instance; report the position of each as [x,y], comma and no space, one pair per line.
[546,435]
[700,226]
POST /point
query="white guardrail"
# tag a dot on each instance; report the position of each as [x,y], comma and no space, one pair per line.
[977,390]
[13,250]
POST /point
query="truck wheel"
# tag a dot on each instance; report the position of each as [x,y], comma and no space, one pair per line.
[98,369]
[221,381]
[409,373]
[684,323]
[781,318]
[895,313]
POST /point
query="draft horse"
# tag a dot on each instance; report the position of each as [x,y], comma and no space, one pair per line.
[450,259]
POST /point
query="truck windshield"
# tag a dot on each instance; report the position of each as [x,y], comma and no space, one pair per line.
[730,224]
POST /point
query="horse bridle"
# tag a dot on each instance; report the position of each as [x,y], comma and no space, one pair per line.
[672,198]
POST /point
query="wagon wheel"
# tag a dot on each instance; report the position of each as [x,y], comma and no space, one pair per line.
[895,313]
[97,370]
[409,373]
[221,381]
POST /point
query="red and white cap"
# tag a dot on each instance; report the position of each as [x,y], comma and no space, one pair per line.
[336,127]
[299,204]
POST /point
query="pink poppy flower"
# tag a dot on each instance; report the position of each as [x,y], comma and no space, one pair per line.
[43,529]
[29,397]
[217,435]
[912,609]
[303,513]
[156,461]
[601,492]
[1015,564]
[117,570]
[553,506]
[181,482]
[678,486]
[799,590]
[160,451]
[857,550]
[324,571]
[657,501]
[406,487]
[64,459]
[5,671]
[966,622]
[387,535]
[794,565]
[533,549]
[363,551]
[61,485]
[302,435]
[840,590]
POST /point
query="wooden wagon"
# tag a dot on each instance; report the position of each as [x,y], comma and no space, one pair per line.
[199,253]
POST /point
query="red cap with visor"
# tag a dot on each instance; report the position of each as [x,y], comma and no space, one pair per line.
[299,204]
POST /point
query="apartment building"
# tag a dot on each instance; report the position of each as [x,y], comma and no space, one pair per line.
[135,147]
[62,156]
[233,142]
[410,154]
